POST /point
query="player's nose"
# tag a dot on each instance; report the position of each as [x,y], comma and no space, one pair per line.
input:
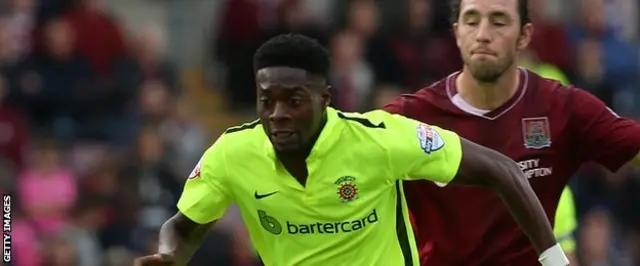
[483,34]
[279,112]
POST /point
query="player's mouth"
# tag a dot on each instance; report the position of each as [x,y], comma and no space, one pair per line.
[483,52]
[282,136]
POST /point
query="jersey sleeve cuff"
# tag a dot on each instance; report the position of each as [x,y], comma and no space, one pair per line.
[455,160]
[193,214]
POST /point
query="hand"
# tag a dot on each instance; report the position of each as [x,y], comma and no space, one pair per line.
[155,260]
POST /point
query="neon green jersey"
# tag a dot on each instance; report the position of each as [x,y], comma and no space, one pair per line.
[352,209]
[565,222]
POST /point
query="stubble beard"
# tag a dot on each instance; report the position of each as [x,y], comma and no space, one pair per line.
[487,71]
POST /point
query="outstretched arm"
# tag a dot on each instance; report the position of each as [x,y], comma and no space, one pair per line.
[481,166]
[204,200]
[420,151]
[593,124]
[180,237]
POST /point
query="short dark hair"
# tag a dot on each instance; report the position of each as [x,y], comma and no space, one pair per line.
[295,51]
[523,11]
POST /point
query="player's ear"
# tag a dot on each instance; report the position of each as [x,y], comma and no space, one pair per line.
[526,32]
[326,96]
[455,33]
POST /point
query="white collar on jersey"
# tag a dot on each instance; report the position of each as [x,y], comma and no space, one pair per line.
[467,108]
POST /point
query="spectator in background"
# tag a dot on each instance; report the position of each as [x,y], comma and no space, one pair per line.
[86,219]
[363,18]
[147,63]
[185,139]
[101,41]
[7,55]
[100,38]
[27,249]
[47,10]
[118,235]
[103,183]
[47,189]
[549,42]
[8,64]
[351,76]
[597,235]
[423,55]
[152,176]
[618,59]
[590,70]
[55,87]
[239,36]
[529,60]
[112,223]
[13,133]
[147,76]
[320,11]
[291,17]
[155,101]
[629,212]
[60,251]
[21,24]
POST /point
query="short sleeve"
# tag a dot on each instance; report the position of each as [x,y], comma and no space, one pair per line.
[421,151]
[600,134]
[565,221]
[396,106]
[206,196]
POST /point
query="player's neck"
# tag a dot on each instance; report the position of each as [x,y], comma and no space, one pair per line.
[488,96]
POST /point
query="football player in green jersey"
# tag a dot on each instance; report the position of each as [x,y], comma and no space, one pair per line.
[316,186]
[565,224]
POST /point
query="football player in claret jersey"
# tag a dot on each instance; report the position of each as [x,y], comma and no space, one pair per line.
[549,129]
[316,186]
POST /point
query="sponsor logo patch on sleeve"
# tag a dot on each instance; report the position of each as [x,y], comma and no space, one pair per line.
[429,138]
[196,171]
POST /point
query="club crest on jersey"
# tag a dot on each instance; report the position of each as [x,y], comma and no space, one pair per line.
[536,132]
[429,138]
[347,189]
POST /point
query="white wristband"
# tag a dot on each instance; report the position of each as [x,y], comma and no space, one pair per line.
[553,256]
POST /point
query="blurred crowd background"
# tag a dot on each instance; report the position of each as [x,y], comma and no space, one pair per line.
[106,106]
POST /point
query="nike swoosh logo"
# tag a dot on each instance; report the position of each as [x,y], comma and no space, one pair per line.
[260,196]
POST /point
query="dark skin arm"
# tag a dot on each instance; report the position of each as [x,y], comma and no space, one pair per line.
[481,166]
[180,238]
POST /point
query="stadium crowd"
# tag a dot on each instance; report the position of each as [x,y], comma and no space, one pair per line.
[96,136]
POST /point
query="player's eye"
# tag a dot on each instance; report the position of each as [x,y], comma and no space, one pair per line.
[265,101]
[294,102]
[499,23]
[472,22]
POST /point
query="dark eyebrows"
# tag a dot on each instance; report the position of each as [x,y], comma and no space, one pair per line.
[290,90]
[499,14]
[471,13]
